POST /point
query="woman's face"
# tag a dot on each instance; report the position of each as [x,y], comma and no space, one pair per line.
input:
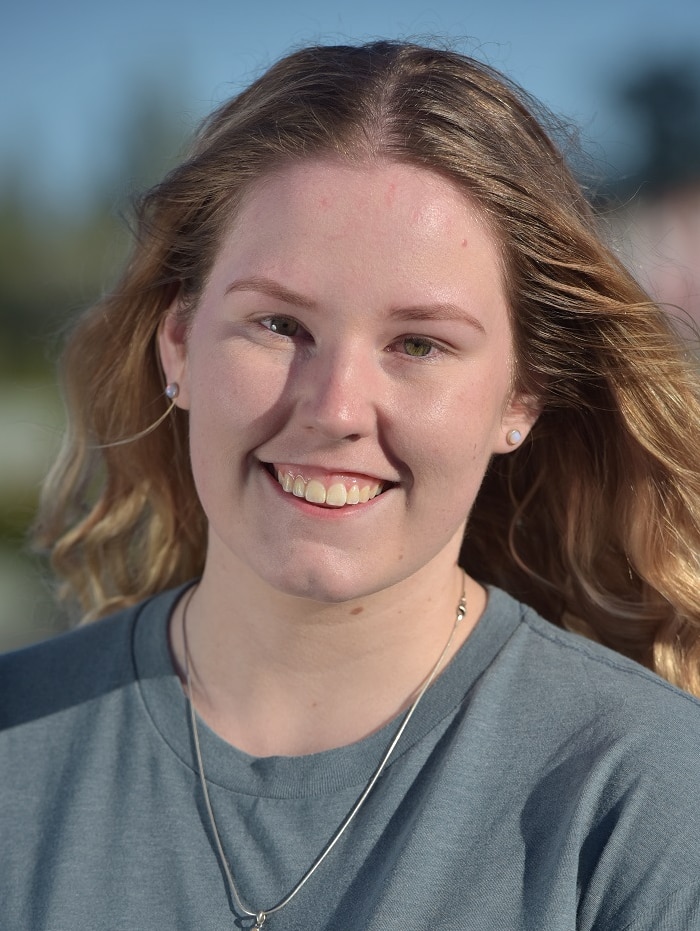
[352,344]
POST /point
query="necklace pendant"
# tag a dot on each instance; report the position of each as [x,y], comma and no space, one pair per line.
[260,919]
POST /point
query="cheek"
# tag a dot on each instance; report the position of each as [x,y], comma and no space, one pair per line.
[455,442]
[233,408]
[465,421]
[235,387]
[450,451]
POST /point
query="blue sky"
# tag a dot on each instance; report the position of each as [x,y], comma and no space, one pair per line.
[69,69]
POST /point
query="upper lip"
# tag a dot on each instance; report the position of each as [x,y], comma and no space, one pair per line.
[315,470]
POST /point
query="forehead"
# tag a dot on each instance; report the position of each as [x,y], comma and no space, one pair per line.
[380,190]
[321,203]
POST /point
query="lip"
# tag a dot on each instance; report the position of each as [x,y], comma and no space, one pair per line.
[327,474]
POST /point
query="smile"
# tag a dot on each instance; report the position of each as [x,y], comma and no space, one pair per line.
[332,494]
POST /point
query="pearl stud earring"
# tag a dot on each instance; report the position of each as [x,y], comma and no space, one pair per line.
[513,437]
[172,390]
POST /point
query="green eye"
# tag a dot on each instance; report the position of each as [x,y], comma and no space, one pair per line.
[285,326]
[414,346]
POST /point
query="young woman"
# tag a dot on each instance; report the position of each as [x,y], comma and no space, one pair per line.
[370,385]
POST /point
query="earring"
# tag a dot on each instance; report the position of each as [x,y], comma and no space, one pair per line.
[172,390]
[513,437]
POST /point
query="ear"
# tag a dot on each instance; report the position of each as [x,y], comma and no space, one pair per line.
[518,419]
[172,348]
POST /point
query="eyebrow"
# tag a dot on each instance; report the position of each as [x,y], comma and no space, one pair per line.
[272,289]
[441,310]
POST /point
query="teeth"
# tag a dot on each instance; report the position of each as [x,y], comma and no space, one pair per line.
[315,492]
[336,496]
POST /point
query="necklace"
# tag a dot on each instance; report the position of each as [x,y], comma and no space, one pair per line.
[261,916]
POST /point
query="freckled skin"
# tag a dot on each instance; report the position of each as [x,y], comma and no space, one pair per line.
[362,245]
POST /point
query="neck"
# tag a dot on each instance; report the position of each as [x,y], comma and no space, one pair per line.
[275,675]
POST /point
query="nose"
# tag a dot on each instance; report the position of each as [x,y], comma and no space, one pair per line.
[338,393]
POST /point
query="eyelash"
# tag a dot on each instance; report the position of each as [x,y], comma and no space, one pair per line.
[435,348]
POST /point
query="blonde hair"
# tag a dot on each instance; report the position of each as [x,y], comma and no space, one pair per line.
[594,521]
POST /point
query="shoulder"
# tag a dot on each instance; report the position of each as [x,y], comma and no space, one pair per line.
[565,663]
[601,712]
[605,756]
[73,668]
[66,670]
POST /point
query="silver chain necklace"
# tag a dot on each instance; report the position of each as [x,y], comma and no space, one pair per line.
[262,915]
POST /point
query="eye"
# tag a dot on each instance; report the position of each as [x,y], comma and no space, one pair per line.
[417,346]
[284,326]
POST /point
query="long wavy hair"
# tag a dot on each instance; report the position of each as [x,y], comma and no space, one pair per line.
[594,521]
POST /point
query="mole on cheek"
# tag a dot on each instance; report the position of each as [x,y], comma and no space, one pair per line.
[357,610]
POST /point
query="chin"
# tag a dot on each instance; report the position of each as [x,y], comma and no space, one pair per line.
[323,591]
[327,587]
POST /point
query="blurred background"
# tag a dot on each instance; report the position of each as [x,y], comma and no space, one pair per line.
[98,98]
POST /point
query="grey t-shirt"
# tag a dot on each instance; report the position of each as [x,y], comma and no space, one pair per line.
[544,784]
